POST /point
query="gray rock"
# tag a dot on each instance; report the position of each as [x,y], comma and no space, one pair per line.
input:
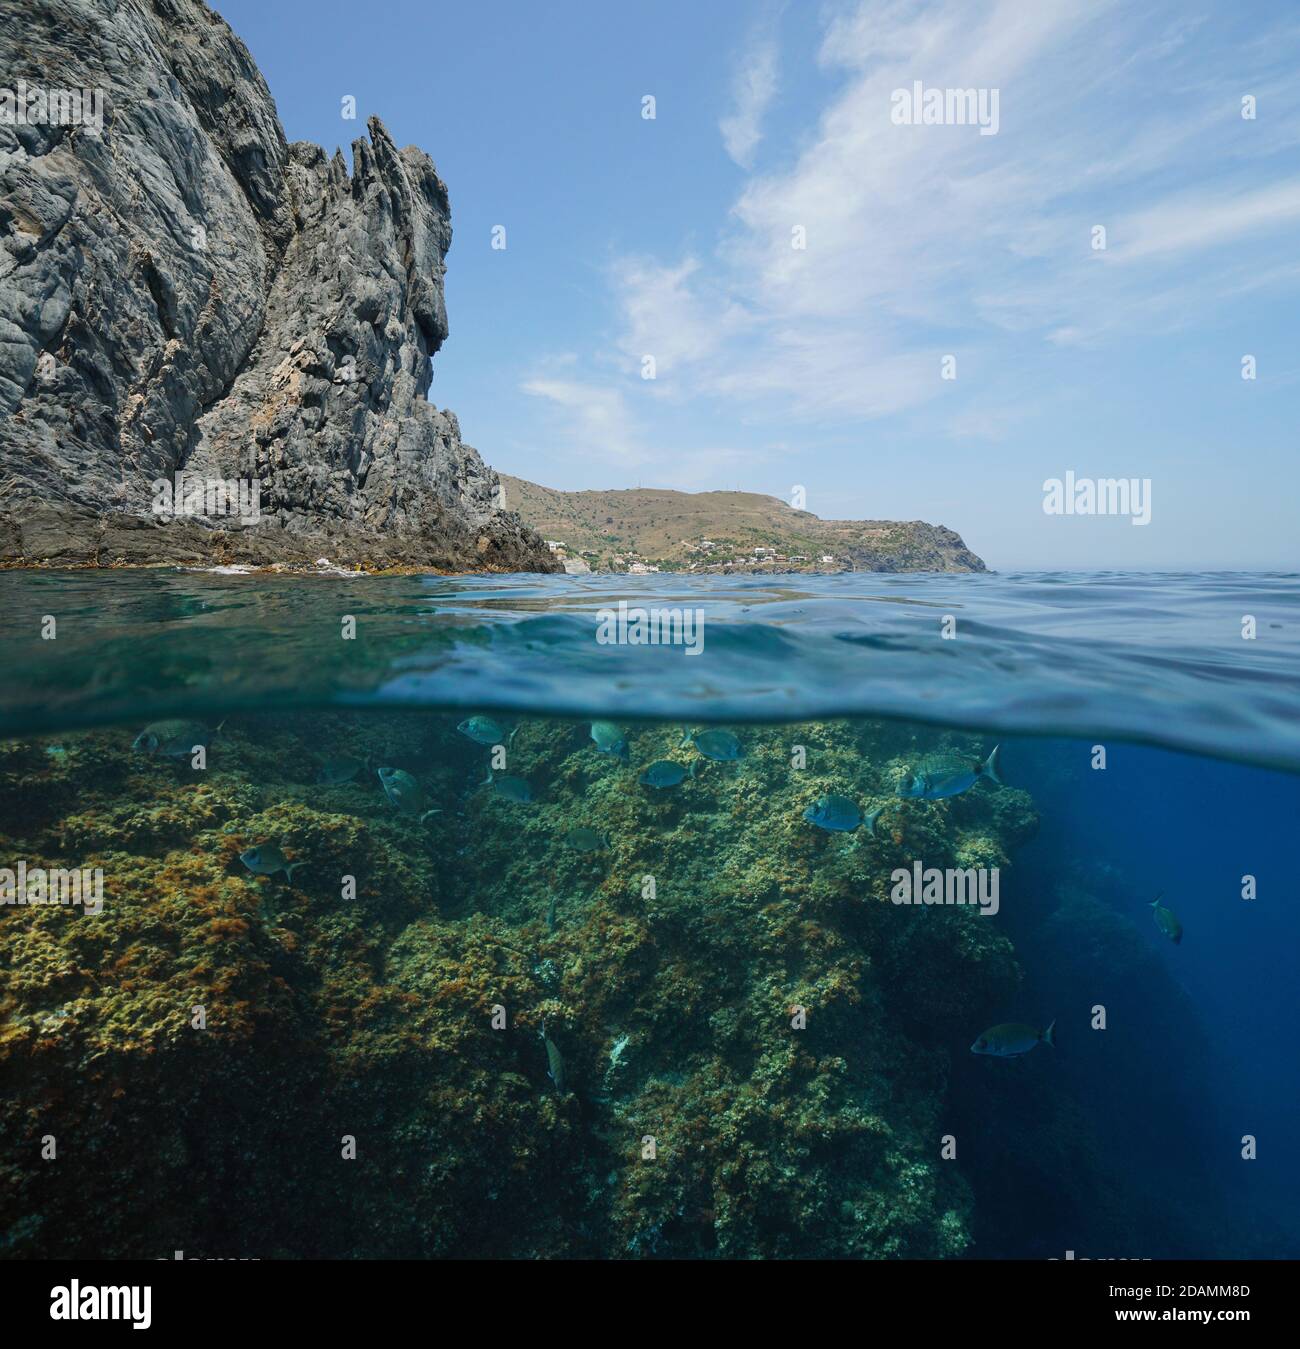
[184,292]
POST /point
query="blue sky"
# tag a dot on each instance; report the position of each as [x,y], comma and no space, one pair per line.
[821,366]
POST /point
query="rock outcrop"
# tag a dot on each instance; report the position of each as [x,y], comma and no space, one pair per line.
[183,292]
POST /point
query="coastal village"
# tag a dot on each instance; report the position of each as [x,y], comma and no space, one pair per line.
[705,556]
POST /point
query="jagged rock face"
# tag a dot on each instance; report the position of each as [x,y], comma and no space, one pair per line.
[183,292]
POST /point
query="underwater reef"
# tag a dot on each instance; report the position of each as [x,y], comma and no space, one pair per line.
[477,1032]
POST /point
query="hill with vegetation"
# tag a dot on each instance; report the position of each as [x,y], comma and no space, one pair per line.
[724,531]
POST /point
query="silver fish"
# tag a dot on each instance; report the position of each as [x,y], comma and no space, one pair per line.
[512,788]
[482,731]
[173,739]
[720,746]
[554,1063]
[1166,920]
[947,774]
[266,859]
[405,793]
[609,739]
[839,814]
[583,839]
[1012,1039]
[665,773]
[334,772]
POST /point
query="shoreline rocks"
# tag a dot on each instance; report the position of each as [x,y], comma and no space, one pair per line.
[182,291]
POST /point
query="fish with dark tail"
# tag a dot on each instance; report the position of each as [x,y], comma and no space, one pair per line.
[175,738]
[839,815]
[1013,1039]
[1166,919]
[554,1063]
[406,794]
[266,859]
[948,774]
[335,772]
[609,739]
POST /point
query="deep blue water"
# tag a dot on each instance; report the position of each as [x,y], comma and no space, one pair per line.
[1207,1029]
[1201,731]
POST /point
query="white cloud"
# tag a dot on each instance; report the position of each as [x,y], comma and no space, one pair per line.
[596,418]
[667,312]
[925,240]
[754,86]
[1187,224]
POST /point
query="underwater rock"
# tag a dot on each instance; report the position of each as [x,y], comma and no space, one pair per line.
[368,991]
[184,292]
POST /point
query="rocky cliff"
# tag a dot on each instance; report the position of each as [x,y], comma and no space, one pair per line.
[183,292]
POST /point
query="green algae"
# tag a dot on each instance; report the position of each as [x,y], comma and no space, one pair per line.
[394,994]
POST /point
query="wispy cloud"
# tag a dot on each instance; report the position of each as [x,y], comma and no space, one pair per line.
[838,280]
[1178,226]
[754,85]
[596,419]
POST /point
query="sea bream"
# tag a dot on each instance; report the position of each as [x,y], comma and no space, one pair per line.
[840,815]
[335,772]
[1166,919]
[405,793]
[483,731]
[173,739]
[583,839]
[720,746]
[947,773]
[1012,1039]
[554,1063]
[266,859]
[509,787]
[664,773]
[609,739]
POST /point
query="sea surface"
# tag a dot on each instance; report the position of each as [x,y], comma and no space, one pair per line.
[520,996]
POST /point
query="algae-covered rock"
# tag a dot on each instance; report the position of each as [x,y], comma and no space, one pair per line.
[457,1035]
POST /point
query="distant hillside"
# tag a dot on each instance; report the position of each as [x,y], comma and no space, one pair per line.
[612,531]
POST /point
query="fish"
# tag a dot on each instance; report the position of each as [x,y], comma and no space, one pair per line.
[174,739]
[405,793]
[554,1063]
[583,839]
[947,773]
[512,788]
[609,739]
[482,731]
[664,773]
[835,813]
[550,914]
[266,859]
[720,746]
[840,815]
[1166,920]
[336,771]
[1011,1040]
